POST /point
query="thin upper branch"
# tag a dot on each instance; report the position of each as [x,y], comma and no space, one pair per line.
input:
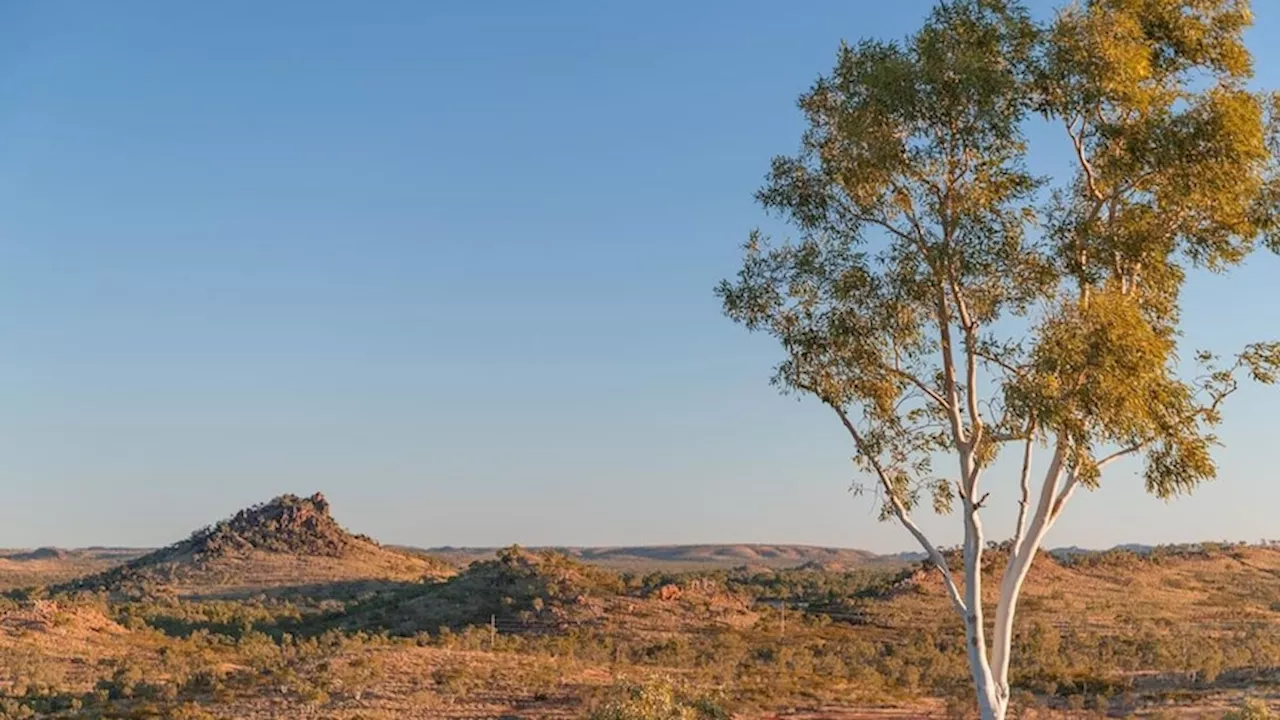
[971,368]
[948,399]
[886,225]
[1000,437]
[1044,507]
[950,385]
[1077,139]
[919,384]
[1000,362]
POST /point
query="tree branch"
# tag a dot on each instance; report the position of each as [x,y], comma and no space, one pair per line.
[1048,489]
[1003,364]
[900,510]
[948,401]
[976,426]
[1015,572]
[1060,502]
[999,437]
[1024,483]
[1077,139]
[1119,454]
[1073,480]
[886,225]
[950,390]
[919,384]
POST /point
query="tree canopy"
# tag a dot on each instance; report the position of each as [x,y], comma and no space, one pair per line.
[922,232]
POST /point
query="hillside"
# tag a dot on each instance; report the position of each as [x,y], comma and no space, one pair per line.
[524,591]
[1224,587]
[289,542]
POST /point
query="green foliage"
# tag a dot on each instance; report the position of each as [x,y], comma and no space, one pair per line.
[517,587]
[810,584]
[1252,709]
[656,700]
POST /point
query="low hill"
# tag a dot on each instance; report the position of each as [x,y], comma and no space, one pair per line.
[44,553]
[546,591]
[289,542]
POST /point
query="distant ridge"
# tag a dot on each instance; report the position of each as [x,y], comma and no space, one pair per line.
[1136,548]
[303,527]
[704,555]
[725,555]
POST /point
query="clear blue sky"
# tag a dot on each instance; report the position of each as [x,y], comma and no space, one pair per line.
[450,263]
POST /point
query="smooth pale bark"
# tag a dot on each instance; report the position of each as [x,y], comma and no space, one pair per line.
[1021,556]
[989,703]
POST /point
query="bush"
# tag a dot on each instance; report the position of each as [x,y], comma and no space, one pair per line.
[658,700]
[1250,710]
[125,682]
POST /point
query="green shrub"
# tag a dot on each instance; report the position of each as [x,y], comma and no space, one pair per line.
[1250,710]
[657,700]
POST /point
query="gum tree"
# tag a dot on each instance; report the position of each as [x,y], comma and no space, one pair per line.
[948,304]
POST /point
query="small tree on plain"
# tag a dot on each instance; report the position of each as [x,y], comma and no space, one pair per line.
[943,300]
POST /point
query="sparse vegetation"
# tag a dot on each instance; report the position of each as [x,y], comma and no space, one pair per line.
[658,699]
[548,634]
[1250,710]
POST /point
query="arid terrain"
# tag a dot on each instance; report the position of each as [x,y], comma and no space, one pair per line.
[281,612]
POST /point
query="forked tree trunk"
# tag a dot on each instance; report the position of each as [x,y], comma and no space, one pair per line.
[990,670]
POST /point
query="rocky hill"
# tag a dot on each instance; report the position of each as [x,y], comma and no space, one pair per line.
[288,542]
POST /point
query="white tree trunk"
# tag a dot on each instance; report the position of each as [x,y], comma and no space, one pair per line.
[990,704]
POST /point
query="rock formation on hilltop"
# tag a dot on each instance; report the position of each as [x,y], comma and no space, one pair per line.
[286,524]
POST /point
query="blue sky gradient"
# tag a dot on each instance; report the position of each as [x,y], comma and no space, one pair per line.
[452,264]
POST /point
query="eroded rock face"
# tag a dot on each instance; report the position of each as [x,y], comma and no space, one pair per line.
[669,592]
[288,524]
